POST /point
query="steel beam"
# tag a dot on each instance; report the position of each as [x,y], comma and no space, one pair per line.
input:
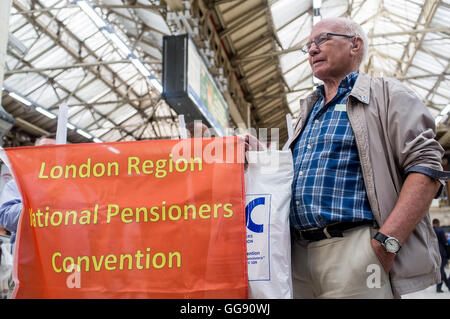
[438,82]
[5,8]
[129,6]
[427,13]
[75,54]
[244,19]
[410,32]
[69,92]
[378,35]
[65,67]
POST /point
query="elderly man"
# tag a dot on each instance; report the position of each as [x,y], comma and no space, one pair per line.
[366,167]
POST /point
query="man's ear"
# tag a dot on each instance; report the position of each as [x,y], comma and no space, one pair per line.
[357,45]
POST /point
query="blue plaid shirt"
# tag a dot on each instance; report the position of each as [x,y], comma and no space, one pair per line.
[328,184]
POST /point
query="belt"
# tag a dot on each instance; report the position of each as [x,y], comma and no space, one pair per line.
[329,231]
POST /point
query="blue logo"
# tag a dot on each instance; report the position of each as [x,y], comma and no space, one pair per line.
[257,228]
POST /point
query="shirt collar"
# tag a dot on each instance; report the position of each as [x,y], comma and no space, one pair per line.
[347,83]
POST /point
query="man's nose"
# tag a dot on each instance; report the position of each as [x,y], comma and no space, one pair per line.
[313,49]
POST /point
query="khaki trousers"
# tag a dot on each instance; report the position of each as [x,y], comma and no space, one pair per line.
[339,267]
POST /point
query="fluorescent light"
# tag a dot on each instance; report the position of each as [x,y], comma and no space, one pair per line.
[445,110]
[120,44]
[20,99]
[317,4]
[45,112]
[157,85]
[71,126]
[122,47]
[28,103]
[97,140]
[92,14]
[83,133]
[141,67]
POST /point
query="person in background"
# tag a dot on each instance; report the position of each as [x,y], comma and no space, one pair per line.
[10,199]
[442,240]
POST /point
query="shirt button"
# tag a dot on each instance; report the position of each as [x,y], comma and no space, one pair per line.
[316,121]
[301,173]
[309,146]
[297,202]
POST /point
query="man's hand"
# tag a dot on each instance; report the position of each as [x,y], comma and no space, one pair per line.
[251,143]
[386,259]
[412,205]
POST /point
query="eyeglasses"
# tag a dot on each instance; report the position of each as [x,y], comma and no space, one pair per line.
[321,38]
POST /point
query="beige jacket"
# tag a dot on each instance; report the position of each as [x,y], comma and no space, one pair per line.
[394,133]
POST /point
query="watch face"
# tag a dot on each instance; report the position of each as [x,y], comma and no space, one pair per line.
[392,245]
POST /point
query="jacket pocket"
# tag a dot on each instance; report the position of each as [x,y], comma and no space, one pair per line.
[420,255]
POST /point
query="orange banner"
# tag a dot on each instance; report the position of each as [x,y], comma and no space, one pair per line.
[146,219]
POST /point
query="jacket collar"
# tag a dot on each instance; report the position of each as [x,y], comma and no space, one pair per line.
[347,83]
[361,89]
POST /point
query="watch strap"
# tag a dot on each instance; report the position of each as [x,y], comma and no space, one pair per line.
[380,237]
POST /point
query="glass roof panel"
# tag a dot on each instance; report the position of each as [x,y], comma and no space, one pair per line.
[393,41]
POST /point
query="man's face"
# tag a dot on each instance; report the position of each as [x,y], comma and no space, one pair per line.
[333,58]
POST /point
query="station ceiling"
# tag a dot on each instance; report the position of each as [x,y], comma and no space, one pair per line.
[104,60]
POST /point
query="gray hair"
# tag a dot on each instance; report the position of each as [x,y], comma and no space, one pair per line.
[354,28]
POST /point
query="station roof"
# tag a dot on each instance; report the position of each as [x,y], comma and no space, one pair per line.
[58,52]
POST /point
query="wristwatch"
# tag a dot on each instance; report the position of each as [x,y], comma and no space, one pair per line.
[391,244]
